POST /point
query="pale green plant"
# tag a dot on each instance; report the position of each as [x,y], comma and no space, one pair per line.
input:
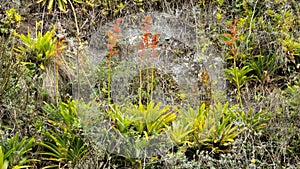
[147,120]
[184,125]
[136,127]
[120,119]
[180,132]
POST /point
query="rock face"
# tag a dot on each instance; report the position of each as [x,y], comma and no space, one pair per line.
[176,58]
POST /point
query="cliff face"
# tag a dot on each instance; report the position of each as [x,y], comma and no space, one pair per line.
[177,54]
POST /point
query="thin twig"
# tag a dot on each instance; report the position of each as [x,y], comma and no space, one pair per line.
[254,8]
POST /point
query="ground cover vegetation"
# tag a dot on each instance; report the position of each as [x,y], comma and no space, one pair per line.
[43,47]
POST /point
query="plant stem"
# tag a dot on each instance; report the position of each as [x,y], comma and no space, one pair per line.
[141,80]
[56,84]
[109,80]
[147,78]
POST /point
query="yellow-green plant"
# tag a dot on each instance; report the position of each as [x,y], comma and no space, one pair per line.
[11,19]
[15,153]
[147,120]
[67,113]
[63,148]
[214,128]
[151,119]
[238,77]
[3,161]
[180,132]
[61,4]
[120,119]
[292,47]
[141,123]
[37,52]
[184,125]
[65,145]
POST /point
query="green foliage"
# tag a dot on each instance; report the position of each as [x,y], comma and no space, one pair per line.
[65,145]
[292,48]
[253,121]
[266,47]
[3,162]
[11,20]
[264,67]
[61,4]
[15,153]
[184,125]
[136,128]
[292,97]
[37,53]
[238,77]
[63,149]
[121,120]
[214,128]
[152,118]
[148,120]
[180,132]
[67,113]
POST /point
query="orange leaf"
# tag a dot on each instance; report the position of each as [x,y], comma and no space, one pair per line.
[228,35]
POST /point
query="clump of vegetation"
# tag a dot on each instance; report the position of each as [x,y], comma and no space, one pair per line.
[9,22]
[256,127]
